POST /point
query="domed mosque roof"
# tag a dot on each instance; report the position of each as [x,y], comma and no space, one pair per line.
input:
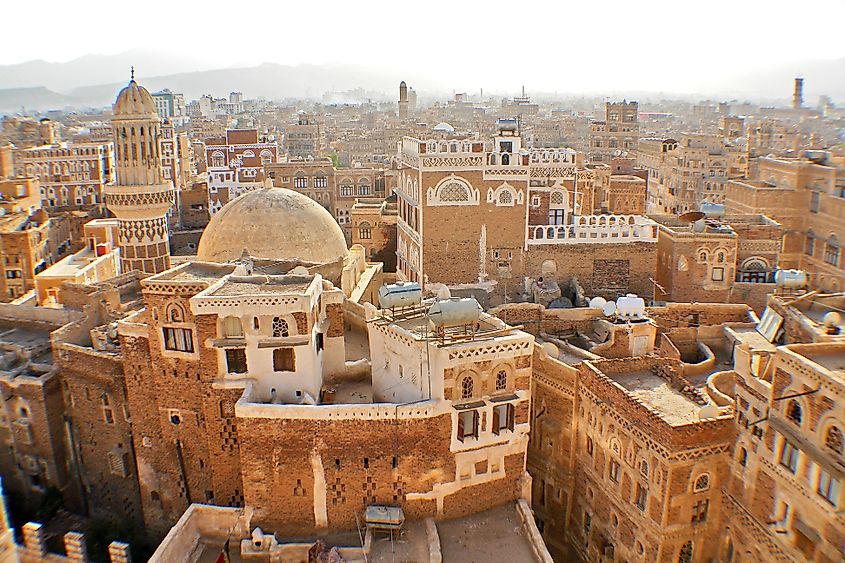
[443,126]
[273,224]
[134,99]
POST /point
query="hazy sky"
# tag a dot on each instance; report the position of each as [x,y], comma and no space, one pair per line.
[676,45]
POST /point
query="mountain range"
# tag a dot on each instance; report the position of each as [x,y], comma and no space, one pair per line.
[94,80]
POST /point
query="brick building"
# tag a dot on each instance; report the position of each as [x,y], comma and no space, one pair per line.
[490,215]
[616,134]
[235,165]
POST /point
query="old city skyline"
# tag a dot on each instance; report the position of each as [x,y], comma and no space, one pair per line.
[361,310]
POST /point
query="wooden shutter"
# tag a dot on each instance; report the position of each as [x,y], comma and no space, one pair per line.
[461,426]
[496,420]
[511,411]
[475,424]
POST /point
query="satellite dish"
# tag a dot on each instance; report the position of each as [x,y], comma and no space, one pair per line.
[710,411]
[691,216]
[551,350]
[831,319]
[598,303]
[609,308]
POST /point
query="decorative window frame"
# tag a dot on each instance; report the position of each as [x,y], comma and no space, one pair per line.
[434,194]
[494,196]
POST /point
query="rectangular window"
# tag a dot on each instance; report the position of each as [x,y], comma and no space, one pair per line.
[178,339]
[467,424]
[321,182]
[815,200]
[718,274]
[284,359]
[557,216]
[642,497]
[503,418]
[300,182]
[789,457]
[236,360]
[809,246]
[699,511]
[614,470]
[828,487]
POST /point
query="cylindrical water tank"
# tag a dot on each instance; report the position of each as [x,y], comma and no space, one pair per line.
[630,307]
[455,312]
[399,294]
[791,279]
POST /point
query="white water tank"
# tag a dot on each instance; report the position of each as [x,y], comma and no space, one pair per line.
[712,210]
[630,307]
[598,303]
[399,294]
[456,311]
[791,279]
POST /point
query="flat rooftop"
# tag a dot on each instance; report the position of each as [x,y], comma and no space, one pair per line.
[263,284]
[493,535]
[832,360]
[657,393]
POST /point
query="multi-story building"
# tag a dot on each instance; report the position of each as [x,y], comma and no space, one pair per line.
[373,226]
[490,215]
[171,106]
[235,165]
[71,175]
[730,259]
[27,132]
[617,133]
[305,138]
[176,156]
[807,196]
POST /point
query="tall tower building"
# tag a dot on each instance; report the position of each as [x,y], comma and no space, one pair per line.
[798,94]
[403,100]
[140,197]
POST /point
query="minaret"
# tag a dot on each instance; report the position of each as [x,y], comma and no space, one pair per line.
[140,197]
[403,100]
[798,94]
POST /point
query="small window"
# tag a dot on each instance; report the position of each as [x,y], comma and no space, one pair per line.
[232,328]
[280,328]
[284,359]
[108,413]
[644,468]
[828,487]
[699,511]
[702,483]
[178,339]
[789,457]
[467,424]
[589,446]
[793,412]
[236,360]
[833,439]
[503,418]
[685,555]
[718,274]
[642,497]
[501,380]
[614,471]
[743,457]
[467,385]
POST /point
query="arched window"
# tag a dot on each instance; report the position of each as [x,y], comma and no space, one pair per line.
[702,483]
[280,328]
[556,198]
[454,192]
[218,159]
[175,313]
[364,186]
[501,380]
[833,439]
[685,555]
[702,256]
[644,468]
[467,385]
[364,230]
[743,456]
[506,198]
[831,251]
[793,412]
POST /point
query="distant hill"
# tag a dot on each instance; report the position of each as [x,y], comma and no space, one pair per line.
[13,99]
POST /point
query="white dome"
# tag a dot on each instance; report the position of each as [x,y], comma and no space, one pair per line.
[443,126]
[273,224]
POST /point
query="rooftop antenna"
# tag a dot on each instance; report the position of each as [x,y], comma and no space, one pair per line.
[132,73]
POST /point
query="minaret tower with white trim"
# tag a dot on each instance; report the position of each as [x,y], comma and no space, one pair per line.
[140,197]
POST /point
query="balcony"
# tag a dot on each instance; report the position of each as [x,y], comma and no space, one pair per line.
[596,229]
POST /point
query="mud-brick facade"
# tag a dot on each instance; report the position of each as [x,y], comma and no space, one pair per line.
[496,216]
